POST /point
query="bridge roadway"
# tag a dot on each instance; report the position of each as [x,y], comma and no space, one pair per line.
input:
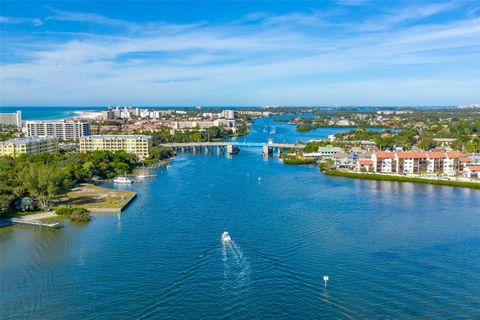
[234,143]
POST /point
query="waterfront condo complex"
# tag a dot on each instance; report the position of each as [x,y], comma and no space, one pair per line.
[61,129]
[417,162]
[28,145]
[138,145]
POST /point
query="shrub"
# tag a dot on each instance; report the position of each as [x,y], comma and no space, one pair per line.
[63,210]
[298,161]
[76,214]
[25,204]
[326,165]
[80,215]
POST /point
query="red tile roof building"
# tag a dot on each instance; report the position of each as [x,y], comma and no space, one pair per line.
[472,172]
[416,162]
[364,165]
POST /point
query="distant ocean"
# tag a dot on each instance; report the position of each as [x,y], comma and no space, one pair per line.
[48,113]
[55,113]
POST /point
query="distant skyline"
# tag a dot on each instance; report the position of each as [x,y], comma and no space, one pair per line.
[153,53]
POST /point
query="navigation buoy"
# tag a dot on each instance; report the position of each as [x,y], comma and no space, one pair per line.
[325,278]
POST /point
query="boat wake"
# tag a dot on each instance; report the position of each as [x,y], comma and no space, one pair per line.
[236,272]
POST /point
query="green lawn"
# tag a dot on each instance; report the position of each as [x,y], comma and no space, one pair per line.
[91,196]
[384,177]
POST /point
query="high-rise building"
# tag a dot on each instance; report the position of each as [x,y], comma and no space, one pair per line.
[135,144]
[228,114]
[61,129]
[29,145]
[108,114]
[11,119]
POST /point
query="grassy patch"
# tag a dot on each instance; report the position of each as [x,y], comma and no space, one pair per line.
[91,196]
[383,177]
[298,161]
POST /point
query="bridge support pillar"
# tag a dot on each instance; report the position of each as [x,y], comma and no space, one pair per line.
[266,150]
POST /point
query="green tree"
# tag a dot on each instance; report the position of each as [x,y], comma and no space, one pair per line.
[311,147]
[45,183]
[426,143]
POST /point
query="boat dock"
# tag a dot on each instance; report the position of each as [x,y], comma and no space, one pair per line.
[30,222]
[33,220]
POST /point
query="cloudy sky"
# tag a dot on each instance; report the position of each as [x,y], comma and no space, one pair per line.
[160,53]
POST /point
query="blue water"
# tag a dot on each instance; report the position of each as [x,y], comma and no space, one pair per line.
[265,128]
[48,113]
[392,250]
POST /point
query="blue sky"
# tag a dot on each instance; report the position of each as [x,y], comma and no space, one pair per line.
[349,52]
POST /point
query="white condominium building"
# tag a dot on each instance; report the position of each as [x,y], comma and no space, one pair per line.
[29,145]
[11,119]
[135,144]
[61,129]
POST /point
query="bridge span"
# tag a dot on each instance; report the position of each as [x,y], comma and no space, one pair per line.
[231,147]
[196,147]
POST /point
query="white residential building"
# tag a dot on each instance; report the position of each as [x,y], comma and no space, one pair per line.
[28,145]
[11,119]
[135,144]
[416,162]
[61,129]
[329,151]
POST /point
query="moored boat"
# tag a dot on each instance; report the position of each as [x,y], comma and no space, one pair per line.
[122,180]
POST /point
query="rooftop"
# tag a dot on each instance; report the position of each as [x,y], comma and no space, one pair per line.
[385,154]
[365,162]
[53,121]
[27,140]
[117,136]
[411,155]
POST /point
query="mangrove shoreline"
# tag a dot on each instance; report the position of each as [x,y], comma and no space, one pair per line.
[384,177]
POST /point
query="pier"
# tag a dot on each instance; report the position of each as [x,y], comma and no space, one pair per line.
[29,222]
[33,220]
[37,223]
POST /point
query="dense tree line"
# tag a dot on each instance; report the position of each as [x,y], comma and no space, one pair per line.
[194,135]
[45,177]
[416,128]
[8,132]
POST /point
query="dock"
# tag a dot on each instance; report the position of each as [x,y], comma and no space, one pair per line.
[32,220]
[37,223]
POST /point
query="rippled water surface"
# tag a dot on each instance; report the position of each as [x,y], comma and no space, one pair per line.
[392,250]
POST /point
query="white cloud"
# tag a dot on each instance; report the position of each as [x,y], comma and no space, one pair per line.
[16,20]
[278,60]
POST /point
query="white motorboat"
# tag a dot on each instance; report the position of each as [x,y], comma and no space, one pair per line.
[122,180]
[226,237]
